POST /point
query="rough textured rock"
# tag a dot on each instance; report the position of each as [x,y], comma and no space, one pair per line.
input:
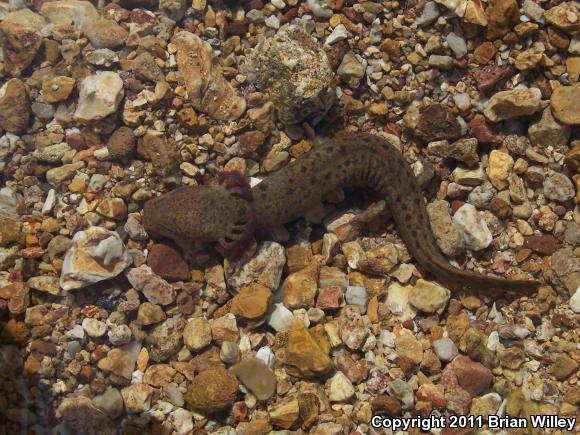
[513,104]
[20,45]
[207,88]
[437,122]
[99,96]
[14,107]
[96,254]
[448,234]
[214,390]
[295,70]
[564,103]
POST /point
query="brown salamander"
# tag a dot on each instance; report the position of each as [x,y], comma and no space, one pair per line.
[231,212]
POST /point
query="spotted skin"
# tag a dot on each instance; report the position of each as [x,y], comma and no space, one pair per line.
[346,160]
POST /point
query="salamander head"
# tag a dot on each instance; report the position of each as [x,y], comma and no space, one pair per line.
[203,214]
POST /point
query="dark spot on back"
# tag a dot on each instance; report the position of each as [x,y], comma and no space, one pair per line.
[290,191]
[327,176]
[417,201]
[343,148]
[263,187]
[303,169]
[313,179]
[348,162]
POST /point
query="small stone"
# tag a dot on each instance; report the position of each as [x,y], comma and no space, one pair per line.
[408,346]
[167,262]
[95,254]
[575,301]
[402,391]
[484,53]
[121,143]
[99,96]
[145,67]
[214,390]
[20,45]
[472,376]
[513,104]
[457,45]
[339,33]
[52,153]
[448,234]
[285,412]
[340,389]
[299,288]
[437,122]
[94,328]
[57,89]
[351,70]
[566,269]
[137,397]
[150,314]
[398,301]
[501,16]
[65,11]
[113,208]
[429,297]
[491,75]
[119,335]
[181,419]
[441,62]
[481,130]
[280,318]
[14,107]
[558,187]
[548,132]
[476,233]
[265,268]
[499,168]
[165,339]
[155,288]
[105,33]
[195,60]
[111,402]
[49,284]
[563,366]
[304,354]
[356,295]
[256,376]
[564,103]
[485,405]
[197,334]
[252,302]
[161,152]
[445,349]
[353,332]
[79,414]
[565,16]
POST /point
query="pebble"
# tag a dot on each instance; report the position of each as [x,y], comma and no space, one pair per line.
[20,45]
[456,44]
[110,401]
[197,334]
[499,168]
[445,349]
[14,106]
[340,389]
[137,397]
[548,132]
[477,235]
[437,122]
[121,143]
[300,288]
[57,89]
[99,96]
[214,390]
[575,301]
[166,261]
[280,318]
[513,104]
[94,328]
[441,61]
[305,356]
[398,301]
[356,295]
[339,33]
[565,17]
[195,60]
[105,33]
[94,255]
[119,335]
[252,302]
[558,187]
[408,346]
[429,297]
[256,376]
[156,289]
[564,102]
[264,268]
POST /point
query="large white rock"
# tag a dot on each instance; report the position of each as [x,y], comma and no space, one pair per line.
[79,12]
[476,233]
[95,254]
[99,96]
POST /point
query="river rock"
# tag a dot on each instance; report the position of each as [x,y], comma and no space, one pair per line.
[156,289]
[96,254]
[14,106]
[513,104]
[105,33]
[564,103]
[549,132]
[20,45]
[99,96]
[256,376]
[295,70]
[437,122]
[207,88]
[79,12]
[476,233]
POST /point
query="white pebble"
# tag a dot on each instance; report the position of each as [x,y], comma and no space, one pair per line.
[273,22]
[281,317]
[457,45]
[338,34]
[575,301]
